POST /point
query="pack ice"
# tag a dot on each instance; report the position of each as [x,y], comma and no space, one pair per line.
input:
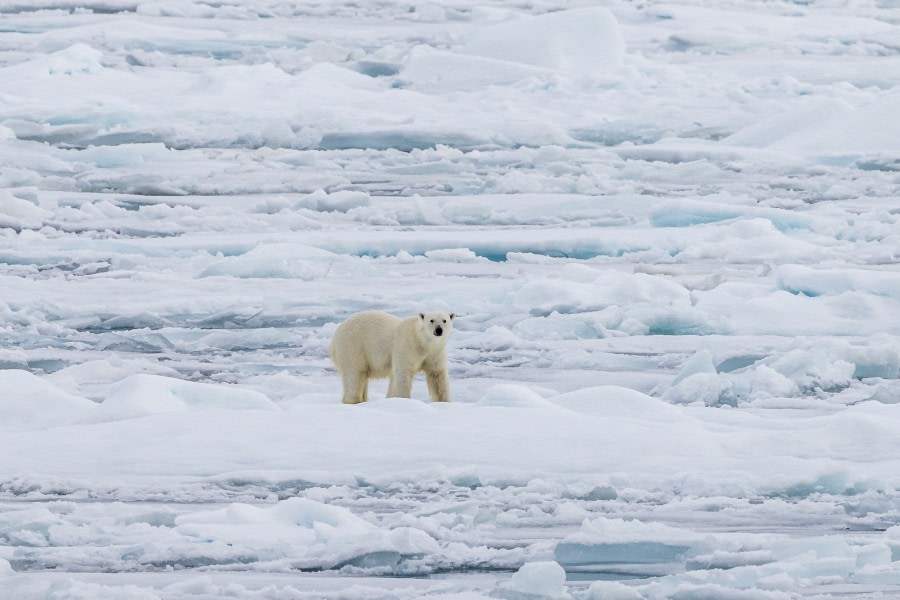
[669,231]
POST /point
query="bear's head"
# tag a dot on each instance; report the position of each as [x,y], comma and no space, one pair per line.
[436,324]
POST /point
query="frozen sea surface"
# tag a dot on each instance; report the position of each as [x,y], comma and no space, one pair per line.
[671,232]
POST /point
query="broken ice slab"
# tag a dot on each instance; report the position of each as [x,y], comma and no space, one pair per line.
[631,546]
[137,321]
[575,554]
[119,343]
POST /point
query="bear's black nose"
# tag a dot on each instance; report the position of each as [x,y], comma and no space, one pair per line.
[438,331]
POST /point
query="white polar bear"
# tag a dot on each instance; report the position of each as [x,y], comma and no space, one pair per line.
[375,345]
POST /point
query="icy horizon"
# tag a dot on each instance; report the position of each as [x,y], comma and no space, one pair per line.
[669,230]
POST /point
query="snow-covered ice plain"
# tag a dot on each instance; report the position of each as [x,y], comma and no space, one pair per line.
[670,229]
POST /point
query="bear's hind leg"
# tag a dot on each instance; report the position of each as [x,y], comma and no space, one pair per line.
[438,385]
[355,387]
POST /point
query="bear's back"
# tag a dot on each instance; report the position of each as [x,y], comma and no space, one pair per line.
[365,339]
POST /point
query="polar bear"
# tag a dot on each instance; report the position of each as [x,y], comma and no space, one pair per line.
[375,345]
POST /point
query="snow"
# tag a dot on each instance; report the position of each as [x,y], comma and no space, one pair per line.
[611,590]
[669,231]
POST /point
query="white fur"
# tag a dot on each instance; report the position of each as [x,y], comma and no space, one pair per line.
[375,345]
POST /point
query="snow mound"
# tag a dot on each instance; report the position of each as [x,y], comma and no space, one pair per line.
[398,405]
[614,402]
[513,395]
[864,131]
[143,395]
[829,130]
[76,60]
[314,535]
[612,590]
[585,40]
[772,130]
[29,402]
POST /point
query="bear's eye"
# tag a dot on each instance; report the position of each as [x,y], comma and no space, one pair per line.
[432,320]
[445,320]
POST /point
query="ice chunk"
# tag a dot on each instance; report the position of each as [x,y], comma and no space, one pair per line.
[312,534]
[556,326]
[436,71]
[273,260]
[617,541]
[452,255]
[18,214]
[493,339]
[826,366]
[649,298]
[404,139]
[800,279]
[119,343]
[634,553]
[766,381]
[685,213]
[600,492]
[878,358]
[698,381]
[584,40]
[545,579]
[678,151]
[708,388]
[119,155]
[700,362]
[619,131]
[340,201]
[28,526]
[137,321]
[887,393]
[814,368]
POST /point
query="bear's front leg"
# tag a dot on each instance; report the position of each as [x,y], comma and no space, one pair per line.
[438,385]
[401,383]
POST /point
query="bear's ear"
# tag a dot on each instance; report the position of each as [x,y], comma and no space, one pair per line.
[422,316]
[452,315]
